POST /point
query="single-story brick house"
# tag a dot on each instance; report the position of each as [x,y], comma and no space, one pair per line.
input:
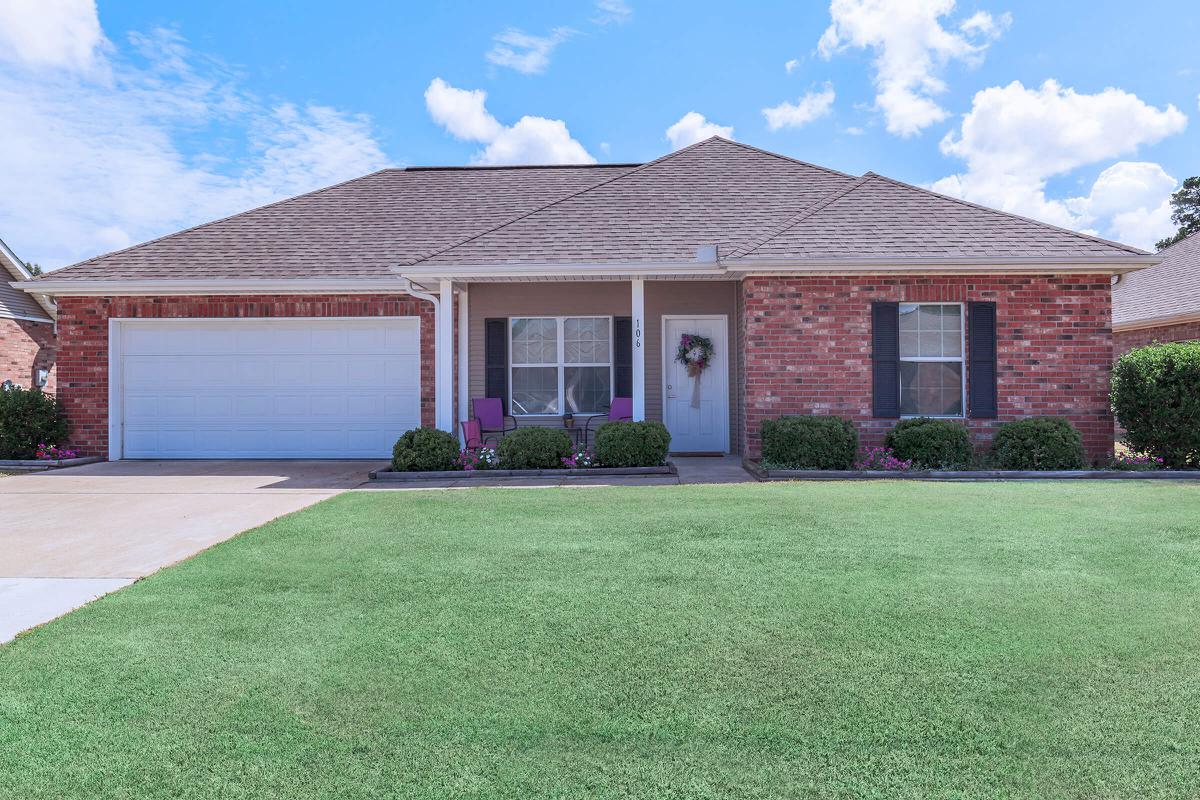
[27,336]
[327,324]
[1161,303]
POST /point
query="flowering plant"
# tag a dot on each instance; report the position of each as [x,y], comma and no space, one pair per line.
[580,458]
[882,458]
[694,352]
[55,453]
[477,458]
[1136,463]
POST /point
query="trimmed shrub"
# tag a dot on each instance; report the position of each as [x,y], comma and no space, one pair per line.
[1038,443]
[931,443]
[632,444]
[425,450]
[1156,398]
[28,418]
[534,448]
[812,442]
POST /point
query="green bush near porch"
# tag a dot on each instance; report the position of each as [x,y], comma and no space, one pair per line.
[425,450]
[632,444]
[809,442]
[1038,443]
[931,443]
[534,448]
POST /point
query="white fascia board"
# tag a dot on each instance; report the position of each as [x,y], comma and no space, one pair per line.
[395,285]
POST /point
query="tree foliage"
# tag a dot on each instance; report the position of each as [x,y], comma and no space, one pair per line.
[1185,211]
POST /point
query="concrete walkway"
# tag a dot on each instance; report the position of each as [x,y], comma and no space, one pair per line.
[69,536]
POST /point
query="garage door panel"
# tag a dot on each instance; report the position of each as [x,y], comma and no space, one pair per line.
[262,389]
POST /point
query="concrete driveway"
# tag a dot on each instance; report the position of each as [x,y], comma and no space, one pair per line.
[70,536]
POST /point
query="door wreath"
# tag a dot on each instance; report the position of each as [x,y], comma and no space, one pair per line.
[695,352]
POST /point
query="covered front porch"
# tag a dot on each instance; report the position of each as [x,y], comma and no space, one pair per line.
[557,352]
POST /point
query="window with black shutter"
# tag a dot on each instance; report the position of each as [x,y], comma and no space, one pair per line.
[981,342]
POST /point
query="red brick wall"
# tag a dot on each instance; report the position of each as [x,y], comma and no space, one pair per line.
[25,348]
[808,348]
[1125,341]
[83,342]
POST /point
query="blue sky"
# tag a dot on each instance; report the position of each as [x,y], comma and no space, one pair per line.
[134,119]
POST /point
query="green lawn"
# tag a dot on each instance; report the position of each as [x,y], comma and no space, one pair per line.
[771,640]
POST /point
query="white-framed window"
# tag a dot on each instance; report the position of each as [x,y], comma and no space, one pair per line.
[560,365]
[931,360]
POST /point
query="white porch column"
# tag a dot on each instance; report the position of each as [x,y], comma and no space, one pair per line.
[444,358]
[464,375]
[639,349]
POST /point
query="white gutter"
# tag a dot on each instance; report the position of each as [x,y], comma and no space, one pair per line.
[742,266]
[192,287]
[1157,322]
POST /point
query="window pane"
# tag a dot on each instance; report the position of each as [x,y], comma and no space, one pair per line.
[588,389]
[931,387]
[534,341]
[586,340]
[535,390]
[930,331]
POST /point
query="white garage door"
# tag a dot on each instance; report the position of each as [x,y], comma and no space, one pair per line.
[278,388]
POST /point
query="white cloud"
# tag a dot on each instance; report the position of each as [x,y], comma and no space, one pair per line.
[532,140]
[1015,138]
[981,23]
[108,158]
[911,47]
[791,65]
[524,52]
[461,112]
[1134,198]
[811,106]
[59,34]
[612,11]
[855,131]
[693,127]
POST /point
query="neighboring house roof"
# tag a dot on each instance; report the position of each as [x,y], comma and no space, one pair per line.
[754,205]
[15,304]
[1165,293]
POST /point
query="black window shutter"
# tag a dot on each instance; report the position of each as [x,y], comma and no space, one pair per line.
[623,356]
[885,359]
[981,367]
[495,355]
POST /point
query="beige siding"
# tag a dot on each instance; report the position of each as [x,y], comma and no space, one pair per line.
[537,300]
[609,298]
[688,297]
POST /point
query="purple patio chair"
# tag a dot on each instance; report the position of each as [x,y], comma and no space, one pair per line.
[489,411]
[473,435]
[621,410]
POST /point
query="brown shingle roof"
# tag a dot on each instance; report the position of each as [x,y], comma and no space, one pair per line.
[357,229]
[880,217]
[715,192]
[749,202]
[1166,290]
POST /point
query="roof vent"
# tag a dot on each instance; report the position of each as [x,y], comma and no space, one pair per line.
[706,254]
